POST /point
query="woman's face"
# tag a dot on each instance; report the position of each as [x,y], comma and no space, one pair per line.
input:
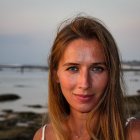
[82,74]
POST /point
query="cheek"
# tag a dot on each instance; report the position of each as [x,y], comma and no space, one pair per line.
[101,82]
[66,82]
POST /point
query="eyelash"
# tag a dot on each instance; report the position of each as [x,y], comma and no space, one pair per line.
[72,68]
[96,69]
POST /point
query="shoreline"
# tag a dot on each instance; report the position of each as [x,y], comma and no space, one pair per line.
[19,125]
[23,125]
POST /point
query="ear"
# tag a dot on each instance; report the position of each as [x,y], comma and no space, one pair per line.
[55,75]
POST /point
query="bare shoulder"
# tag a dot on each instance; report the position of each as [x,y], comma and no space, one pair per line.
[133,130]
[48,133]
[38,134]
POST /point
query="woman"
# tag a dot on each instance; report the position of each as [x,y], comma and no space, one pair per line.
[86,86]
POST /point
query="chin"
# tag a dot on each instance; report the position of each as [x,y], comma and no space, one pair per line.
[85,109]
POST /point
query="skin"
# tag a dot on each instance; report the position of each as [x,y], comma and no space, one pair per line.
[133,130]
[82,74]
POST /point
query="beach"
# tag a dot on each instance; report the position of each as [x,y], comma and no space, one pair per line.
[23,125]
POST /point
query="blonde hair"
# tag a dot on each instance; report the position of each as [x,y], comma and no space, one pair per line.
[110,107]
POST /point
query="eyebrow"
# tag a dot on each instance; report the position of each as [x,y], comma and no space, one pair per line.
[70,63]
[76,64]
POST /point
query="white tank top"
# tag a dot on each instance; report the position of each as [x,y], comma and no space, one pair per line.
[44,127]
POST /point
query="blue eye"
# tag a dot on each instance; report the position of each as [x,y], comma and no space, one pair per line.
[72,68]
[97,69]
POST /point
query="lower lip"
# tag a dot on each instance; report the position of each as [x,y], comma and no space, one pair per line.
[83,99]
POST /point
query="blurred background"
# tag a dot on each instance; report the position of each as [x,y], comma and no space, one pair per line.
[27,31]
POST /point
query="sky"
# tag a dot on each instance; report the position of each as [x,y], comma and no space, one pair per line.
[28,27]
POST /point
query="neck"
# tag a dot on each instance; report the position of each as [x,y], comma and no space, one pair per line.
[76,124]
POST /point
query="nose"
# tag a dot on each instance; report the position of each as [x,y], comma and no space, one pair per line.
[84,80]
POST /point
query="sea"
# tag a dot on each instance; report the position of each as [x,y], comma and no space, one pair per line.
[32,86]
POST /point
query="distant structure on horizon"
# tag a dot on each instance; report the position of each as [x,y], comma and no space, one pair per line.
[132,63]
[127,66]
[23,67]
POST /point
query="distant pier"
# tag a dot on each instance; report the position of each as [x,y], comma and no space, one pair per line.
[22,68]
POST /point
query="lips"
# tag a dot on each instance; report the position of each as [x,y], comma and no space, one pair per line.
[83,98]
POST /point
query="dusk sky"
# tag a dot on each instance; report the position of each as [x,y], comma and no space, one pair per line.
[28,27]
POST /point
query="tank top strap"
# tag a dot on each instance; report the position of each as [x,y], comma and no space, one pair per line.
[43,132]
[129,120]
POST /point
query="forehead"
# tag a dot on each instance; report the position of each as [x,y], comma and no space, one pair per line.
[83,50]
